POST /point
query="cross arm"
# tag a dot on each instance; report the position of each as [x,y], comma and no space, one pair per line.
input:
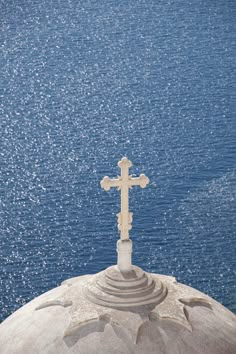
[141,181]
[107,183]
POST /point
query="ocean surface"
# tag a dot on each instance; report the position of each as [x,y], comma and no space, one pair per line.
[83,83]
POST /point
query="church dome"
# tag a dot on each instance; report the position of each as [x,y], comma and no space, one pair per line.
[122,309]
[120,312]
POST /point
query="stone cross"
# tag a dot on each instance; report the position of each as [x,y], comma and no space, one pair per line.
[123,183]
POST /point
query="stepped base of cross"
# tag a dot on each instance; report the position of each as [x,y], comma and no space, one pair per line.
[125,289]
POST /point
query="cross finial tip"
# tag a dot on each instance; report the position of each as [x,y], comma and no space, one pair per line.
[125,161]
[105,183]
[144,180]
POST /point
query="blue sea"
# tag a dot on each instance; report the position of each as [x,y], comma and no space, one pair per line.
[83,83]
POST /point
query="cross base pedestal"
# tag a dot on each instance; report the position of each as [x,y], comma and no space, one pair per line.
[124,254]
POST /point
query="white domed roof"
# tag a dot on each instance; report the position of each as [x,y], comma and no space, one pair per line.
[117,312]
[122,309]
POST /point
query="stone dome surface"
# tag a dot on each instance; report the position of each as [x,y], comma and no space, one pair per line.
[120,312]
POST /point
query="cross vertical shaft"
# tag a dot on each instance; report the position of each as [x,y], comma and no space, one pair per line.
[123,218]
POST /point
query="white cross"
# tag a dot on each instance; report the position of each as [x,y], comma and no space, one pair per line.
[123,183]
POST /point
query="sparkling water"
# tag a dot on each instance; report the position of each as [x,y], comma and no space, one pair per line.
[84,83]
